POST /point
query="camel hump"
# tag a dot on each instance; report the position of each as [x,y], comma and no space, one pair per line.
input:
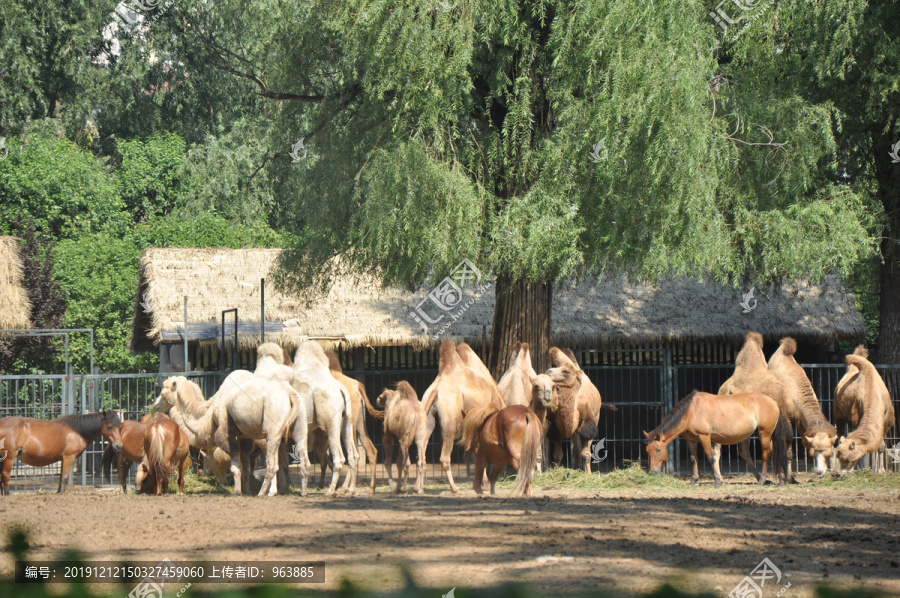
[406,390]
[334,364]
[271,350]
[449,356]
[788,346]
[861,351]
[755,338]
[861,362]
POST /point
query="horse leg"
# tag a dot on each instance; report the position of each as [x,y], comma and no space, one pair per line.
[695,476]
[717,454]
[494,475]
[123,466]
[707,445]
[5,472]
[480,466]
[67,463]
[182,465]
[766,442]
[744,452]
[403,472]
[449,437]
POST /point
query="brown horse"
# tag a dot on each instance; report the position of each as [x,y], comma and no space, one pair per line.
[510,436]
[165,448]
[714,420]
[404,422]
[130,435]
[39,443]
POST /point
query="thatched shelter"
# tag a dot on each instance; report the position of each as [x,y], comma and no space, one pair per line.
[15,309]
[360,313]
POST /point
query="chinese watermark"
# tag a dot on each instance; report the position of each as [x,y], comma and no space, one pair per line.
[748,307]
[449,594]
[599,147]
[126,13]
[153,586]
[893,452]
[448,296]
[600,445]
[753,584]
[894,153]
[295,455]
[744,11]
[295,151]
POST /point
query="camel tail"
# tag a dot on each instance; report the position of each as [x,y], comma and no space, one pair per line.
[609,406]
[528,460]
[472,424]
[369,407]
[106,462]
[156,455]
[295,414]
[783,435]
[429,397]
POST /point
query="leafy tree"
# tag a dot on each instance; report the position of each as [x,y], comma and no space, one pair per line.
[22,354]
[541,139]
[148,175]
[64,189]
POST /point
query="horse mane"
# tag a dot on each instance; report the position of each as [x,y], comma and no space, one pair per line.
[675,416]
[86,425]
[334,364]
[472,424]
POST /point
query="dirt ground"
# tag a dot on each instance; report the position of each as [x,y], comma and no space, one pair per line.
[626,541]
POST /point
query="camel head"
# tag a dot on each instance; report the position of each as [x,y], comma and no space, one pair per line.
[168,396]
[821,447]
[847,453]
[543,389]
[658,451]
[385,397]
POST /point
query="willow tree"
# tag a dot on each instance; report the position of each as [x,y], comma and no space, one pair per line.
[541,140]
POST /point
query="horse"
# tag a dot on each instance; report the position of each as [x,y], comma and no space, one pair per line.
[867,398]
[165,448]
[39,443]
[404,422]
[714,420]
[131,437]
[461,384]
[509,436]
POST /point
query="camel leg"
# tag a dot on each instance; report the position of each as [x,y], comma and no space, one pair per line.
[480,466]
[334,428]
[557,453]
[368,446]
[273,443]
[321,440]
[744,452]
[67,463]
[403,466]
[421,444]
[5,472]
[349,437]
[790,456]
[284,476]
[388,456]
[578,462]
[299,436]
[449,437]
[586,454]
[695,475]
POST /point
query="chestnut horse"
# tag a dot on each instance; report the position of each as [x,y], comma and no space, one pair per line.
[39,443]
[714,420]
[510,436]
[130,435]
[404,422]
[165,448]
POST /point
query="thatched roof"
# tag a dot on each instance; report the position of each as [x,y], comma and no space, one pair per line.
[362,313]
[15,309]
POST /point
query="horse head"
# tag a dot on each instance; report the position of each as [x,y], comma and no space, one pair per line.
[657,450]
[111,429]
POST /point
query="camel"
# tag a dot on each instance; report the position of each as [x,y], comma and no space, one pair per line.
[752,376]
[165,448]
[328,408]
[864,395]
[358,398]
[404,422]
[259,408]
[845,403]
[816,432]
[458,388]
[585,418]
[515,385]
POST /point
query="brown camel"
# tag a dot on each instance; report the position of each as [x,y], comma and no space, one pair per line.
[816,432]
[866,396]
[458,388]
[752,375]
[581,425]
[404,422]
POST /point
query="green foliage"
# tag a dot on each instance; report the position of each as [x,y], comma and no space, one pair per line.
[63,188]
[148,175]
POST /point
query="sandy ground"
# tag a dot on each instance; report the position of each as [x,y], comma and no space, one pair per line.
[561,541]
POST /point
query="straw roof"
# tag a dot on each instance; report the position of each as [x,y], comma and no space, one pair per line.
[15,309]
[362,313]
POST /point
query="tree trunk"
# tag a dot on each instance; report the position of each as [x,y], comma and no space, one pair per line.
[522,312]
[888,176]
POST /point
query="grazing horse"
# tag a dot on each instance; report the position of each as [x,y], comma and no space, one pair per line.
[130,436]
[404,421]
[714,420]
[165,448]
[39,443]
[509,436]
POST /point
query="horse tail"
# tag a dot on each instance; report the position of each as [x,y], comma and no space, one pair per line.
[472,424]
[528,459]
[106,462]
[783,435]
[156,454]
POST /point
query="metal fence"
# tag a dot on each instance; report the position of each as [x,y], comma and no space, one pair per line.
[643,394]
